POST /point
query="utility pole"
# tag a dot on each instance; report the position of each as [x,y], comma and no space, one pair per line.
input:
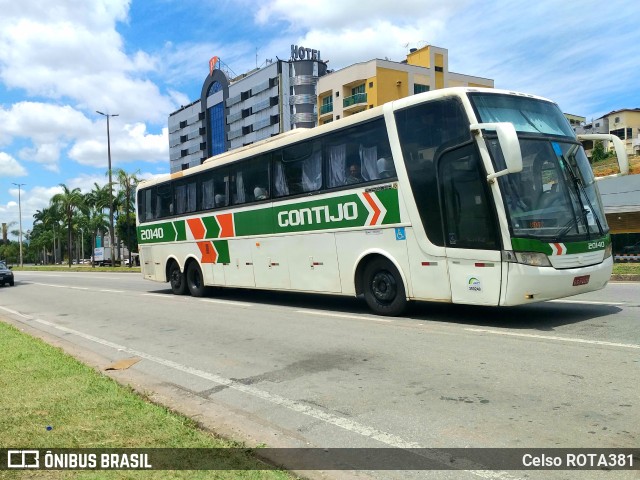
[111,230]
[20,219]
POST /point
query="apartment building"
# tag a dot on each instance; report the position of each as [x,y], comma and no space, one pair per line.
[368,84]
[625,124]
[238,111]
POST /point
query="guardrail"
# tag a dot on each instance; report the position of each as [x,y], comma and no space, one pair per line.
[626,257]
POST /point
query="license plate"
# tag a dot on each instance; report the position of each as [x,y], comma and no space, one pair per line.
[583,280]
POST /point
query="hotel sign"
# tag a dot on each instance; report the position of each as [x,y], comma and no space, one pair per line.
[303,53]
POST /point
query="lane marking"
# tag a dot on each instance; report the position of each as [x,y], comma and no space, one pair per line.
[552,337]
[342,315]
[587,302]
[112,291]
[14,312]
[226,302]
[79,288]
[49,285]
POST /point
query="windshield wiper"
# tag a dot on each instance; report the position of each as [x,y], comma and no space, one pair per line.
[579,188]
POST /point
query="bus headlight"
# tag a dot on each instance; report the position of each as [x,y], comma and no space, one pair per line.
[535,259]
[608,251]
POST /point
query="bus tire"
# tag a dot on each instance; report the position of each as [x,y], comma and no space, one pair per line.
[177,280]
[195,282]
[383,288]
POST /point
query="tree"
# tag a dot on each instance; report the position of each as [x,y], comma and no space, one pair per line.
[128,183]
[69,201]
[46,223]
[598,153]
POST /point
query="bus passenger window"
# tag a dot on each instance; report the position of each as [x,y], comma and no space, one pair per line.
[164,201]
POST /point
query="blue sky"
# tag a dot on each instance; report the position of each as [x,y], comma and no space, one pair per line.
[142,59]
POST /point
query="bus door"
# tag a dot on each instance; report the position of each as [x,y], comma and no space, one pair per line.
[470,228]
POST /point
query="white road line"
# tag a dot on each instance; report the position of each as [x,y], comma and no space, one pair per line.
[552,337]
[342,315]
[78,288]
[112,291]
[226,302]
[49,285]
[587,302]
[13,312]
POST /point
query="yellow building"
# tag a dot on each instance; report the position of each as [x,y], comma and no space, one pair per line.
[625,124]
[366,85]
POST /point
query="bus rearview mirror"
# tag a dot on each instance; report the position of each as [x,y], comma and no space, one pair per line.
[509,144]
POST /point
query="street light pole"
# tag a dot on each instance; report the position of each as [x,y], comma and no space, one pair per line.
[111,232]
[20,218]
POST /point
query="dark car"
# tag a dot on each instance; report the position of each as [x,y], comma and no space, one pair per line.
[635,248]
[6,275]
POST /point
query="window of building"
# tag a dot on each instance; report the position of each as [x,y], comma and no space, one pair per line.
[419,88]
[214,88]
[370,84]
[358,89]
[216,122]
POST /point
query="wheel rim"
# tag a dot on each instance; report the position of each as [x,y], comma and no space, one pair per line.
[384,287]
[175,277]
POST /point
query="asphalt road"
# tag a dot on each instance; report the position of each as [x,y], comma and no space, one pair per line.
[320,371]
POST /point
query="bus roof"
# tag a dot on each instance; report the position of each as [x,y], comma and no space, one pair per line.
[291,136]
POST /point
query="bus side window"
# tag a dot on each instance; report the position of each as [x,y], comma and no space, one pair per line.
[298,169]
[164,201]
[469,221]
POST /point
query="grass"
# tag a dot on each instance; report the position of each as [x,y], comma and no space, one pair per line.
[609,166]
[626,268]
[44,387]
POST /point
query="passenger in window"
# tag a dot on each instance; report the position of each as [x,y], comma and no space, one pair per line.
[385,168]
[260,193]
[354,175]
[220,200]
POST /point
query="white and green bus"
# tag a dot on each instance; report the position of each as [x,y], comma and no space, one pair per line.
[462,195]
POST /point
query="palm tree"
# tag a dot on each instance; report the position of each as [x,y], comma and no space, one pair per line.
[69,201]
[98,200]
[128,183]
[49,218]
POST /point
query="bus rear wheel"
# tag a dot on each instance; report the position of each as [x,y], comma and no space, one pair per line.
[177,280]
[383,288]
[195,282]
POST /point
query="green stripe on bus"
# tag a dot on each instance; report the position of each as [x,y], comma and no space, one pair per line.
[346,211]
[532,245]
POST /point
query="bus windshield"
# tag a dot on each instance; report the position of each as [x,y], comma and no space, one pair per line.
[554,197]
[528,115]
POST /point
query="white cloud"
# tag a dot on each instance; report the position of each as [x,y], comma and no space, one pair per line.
[73,51]
[128,143]
[9,166]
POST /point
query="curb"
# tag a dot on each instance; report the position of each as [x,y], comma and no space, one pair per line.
[621,277]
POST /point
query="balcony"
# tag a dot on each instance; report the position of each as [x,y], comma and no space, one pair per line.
[326,108]
[354,103]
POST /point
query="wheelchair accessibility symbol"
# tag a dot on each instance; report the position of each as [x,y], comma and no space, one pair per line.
[400,234]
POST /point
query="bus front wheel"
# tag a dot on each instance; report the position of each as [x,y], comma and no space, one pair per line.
[177,280]
[383,288]
[195,282]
